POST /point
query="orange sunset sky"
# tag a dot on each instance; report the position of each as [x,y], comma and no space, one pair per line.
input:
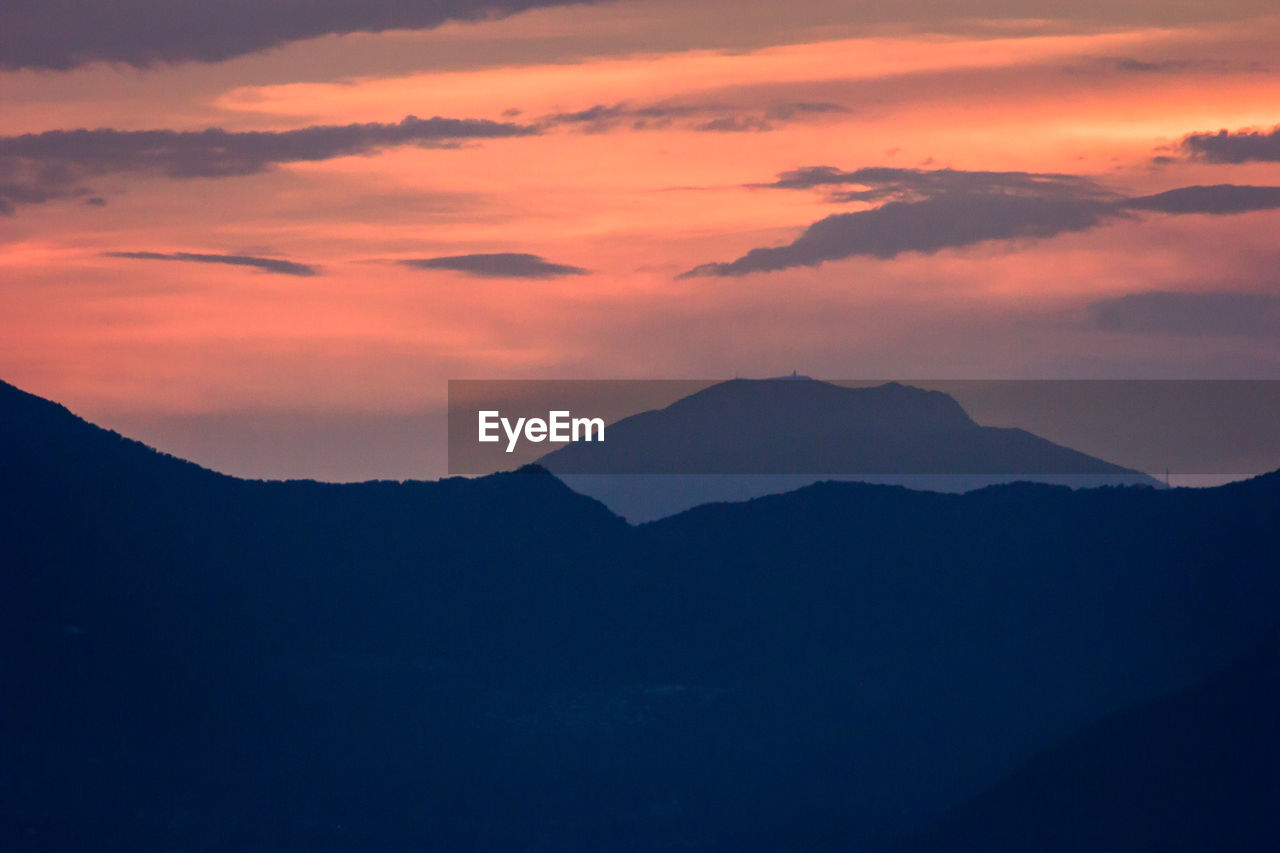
[265,236]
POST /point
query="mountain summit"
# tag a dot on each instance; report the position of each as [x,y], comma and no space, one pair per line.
[771,426]
[770,435]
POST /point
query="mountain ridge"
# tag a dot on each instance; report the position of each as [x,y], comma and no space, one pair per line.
[745,438]
[1194,770]
[501,663]
[775,426]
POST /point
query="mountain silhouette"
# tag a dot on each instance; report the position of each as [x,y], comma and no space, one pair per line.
[1192,771]
[194,661]
[746,438]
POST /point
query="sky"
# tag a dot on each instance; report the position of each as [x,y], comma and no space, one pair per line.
[264,235]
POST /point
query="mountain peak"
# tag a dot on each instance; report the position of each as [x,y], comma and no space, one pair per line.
[800,402]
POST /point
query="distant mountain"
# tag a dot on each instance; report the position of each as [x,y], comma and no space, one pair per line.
[192,661]
[747,438]
[1193,771]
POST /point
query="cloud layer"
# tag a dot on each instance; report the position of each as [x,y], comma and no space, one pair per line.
[37,167]
[270,265]
[706,117]
[496,265]
[1242,146]
[1217,199]
[931,210]
[61,34]
[923,226]
[1166,312]
[876,183]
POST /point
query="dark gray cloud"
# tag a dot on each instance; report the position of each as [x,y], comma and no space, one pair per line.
[1124,63]
[1240,147]
[930,210]
[1179,66]
[61,34]
[1218,199]
[37,167]
[270,265]
[496,265]
[1179,313]
[735,124]
[708,117]
[876,183]
[17,190]
[930,225]
[215,153]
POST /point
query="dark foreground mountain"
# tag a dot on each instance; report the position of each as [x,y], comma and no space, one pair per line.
[196,662]
[747,438]
[1193,771]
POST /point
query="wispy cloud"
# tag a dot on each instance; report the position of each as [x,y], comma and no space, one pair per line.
[712,117]
[930,210]
[875,183]
[216,152]
[35,190]
[496,265]
[62,34]
[921,226]
[270,265]
[37,167]
[1218,199]
[1178,66]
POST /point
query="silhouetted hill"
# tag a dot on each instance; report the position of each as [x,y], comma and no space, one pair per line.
[197,662]
[747,438]
[1193,771]
[809,427]
[974,626]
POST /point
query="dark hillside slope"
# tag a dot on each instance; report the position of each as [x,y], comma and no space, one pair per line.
[177,642]
[938,639]
[1188,772]
[196,662]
